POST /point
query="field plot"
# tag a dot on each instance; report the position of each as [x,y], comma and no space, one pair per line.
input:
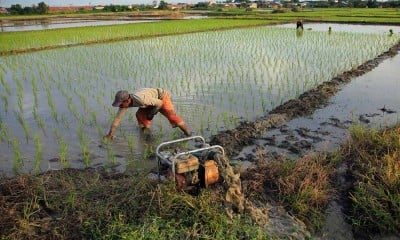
[56,104]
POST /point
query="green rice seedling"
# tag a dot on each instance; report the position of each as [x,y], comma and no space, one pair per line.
[34,91]
[39,120]
[17,163]
[65,121]
[85,153]
[6,86]
[20,96]
[84,145]
[93,114]
[51,104]
[39,153]
[72,108]
[57,133]
[130,140]
[24,125]
[63,151]
[3,130]
[5,102]
[63,148]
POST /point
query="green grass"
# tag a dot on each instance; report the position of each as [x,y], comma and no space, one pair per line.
[303,187]
[353,15]
[374,158]
[79,204]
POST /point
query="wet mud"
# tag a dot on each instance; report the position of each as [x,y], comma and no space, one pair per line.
[247,133]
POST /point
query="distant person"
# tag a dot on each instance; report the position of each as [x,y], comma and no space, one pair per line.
[150,101]
[299,24]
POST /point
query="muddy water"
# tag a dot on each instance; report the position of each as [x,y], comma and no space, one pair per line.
[371,100]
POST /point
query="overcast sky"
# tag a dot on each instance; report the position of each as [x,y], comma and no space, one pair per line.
[24,3]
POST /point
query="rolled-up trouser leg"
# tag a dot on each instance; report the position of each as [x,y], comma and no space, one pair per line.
[168,111]
[141,116]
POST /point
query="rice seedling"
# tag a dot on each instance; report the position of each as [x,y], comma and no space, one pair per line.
[131,142]
[17,163]
[4,98]
[63,153]
[84,145]
[215,80]
[24,125]
[39,154]
[39,120]
[3,130]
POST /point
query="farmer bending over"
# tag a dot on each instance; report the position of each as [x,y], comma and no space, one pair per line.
[299,24]
[150,101]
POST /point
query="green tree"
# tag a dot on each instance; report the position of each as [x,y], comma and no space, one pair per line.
[163,5]
[16,9]
[42,8]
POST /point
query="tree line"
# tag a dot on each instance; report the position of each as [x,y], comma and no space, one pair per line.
[17,9]
[43,8]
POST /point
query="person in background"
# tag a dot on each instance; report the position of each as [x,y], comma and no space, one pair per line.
[150,101]
[299,24]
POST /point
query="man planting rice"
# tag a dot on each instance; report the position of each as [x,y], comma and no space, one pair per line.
[150,101]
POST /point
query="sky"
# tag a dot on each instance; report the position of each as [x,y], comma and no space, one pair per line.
[27,3]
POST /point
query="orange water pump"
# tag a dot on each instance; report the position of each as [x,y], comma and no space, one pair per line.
[193,166]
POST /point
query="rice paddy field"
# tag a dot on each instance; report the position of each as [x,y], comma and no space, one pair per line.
[56,104]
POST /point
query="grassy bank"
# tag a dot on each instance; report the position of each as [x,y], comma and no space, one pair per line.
[373,158]
[79,204]
[349,15]
[88,204]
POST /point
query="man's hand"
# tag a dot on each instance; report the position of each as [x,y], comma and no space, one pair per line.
[109,137]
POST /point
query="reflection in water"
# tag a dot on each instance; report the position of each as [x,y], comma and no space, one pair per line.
[299,32]
[49,24]
[42,24]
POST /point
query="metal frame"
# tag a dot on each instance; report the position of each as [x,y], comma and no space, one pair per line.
[171,160]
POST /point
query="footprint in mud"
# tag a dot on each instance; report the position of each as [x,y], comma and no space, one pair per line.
[291,137]
[271,141]
[305,133]
[363,118]
[335,122]
[284,129]
[386,110]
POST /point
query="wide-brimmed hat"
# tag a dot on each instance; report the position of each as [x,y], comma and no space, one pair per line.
[120,96]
